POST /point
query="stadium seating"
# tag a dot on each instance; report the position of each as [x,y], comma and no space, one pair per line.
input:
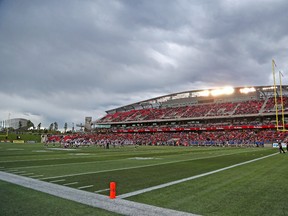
[227,114]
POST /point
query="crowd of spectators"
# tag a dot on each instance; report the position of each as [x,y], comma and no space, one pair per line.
[270,105]
[210,138]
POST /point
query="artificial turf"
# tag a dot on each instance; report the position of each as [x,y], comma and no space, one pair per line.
[253,189]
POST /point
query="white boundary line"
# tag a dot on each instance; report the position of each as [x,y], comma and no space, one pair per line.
[189,178]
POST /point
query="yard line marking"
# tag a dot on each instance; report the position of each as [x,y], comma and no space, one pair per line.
[19,172]
[35,176]
[135,167]
[59,180]
[88,186]
[71,157]
[102,190]
[189,178]
[71,183]
[64,164]
[12,170]
[27,174]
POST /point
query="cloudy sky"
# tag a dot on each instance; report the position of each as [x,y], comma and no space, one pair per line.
[62,60]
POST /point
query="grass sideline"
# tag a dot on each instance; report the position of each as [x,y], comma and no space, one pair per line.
[244,190]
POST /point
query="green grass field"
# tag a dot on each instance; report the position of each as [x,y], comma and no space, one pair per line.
[257,188]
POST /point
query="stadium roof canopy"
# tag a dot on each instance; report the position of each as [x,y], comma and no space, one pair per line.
[214,95]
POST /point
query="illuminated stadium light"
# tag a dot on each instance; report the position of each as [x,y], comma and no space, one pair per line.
[222,91]
[247,90]
[204,93]
[267,88]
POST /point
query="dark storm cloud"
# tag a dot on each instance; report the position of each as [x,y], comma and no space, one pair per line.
[64,60]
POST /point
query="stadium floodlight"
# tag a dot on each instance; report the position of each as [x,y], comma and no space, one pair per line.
[247,90]
[222,91]
[204,93]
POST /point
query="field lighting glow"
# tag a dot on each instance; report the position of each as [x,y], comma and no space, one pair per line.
[204,93]
[222,91]
[247,90]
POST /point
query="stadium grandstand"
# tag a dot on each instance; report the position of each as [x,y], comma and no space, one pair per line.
[249,116]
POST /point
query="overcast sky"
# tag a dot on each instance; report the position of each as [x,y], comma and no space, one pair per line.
[62,60]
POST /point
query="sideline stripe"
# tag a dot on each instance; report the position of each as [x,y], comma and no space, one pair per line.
[135,167]
[189,178]
[118,206]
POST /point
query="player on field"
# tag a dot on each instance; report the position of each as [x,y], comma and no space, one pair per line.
[280,148]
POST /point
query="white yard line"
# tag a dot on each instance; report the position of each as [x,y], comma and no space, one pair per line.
[12,170]
[27,174]
[59,180]
[83,187]
[64,164]
[18,172]
[102,190]
[189,178]
[59,158]
[71,183]
[134,167]
[35,176]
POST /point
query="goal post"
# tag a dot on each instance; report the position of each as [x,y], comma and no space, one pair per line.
[278,128]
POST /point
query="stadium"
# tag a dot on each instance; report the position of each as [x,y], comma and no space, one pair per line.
[242,115]
[199,152]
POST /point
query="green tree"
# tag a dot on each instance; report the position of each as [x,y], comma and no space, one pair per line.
[39,126]
[55,126]
[51,127]
[30,124]
[65,127]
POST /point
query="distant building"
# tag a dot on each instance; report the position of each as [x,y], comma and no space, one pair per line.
[88,123]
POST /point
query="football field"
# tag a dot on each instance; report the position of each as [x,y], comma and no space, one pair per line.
[196,180]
